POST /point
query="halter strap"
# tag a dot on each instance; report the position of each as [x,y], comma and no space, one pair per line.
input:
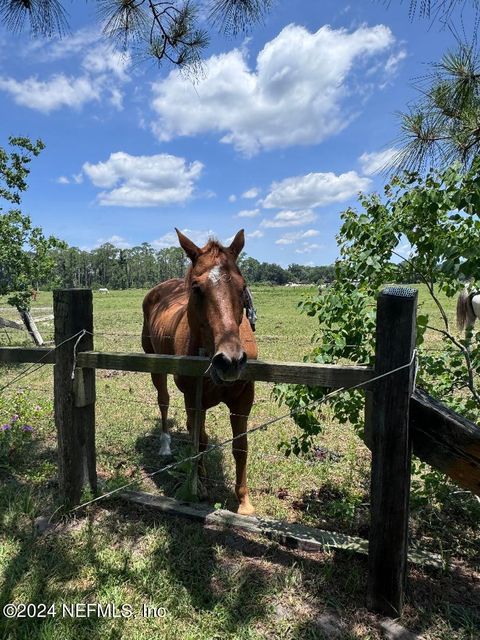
[249,308]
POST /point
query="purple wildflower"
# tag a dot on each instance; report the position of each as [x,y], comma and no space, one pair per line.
[6,427]
[15,417]
[27,427]
[38,407]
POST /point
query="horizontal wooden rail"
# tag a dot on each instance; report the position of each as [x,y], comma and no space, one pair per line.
[323,375]
[43,355]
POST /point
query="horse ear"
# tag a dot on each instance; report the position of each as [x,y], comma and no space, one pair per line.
[237,244]
[188,246]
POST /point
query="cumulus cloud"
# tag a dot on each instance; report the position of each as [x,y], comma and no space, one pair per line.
[232,198]
[248,213]
[47,50]
[251,193]
[102,71]
[170,239]
[290,238]
[308,247]
[294,95]
[289,219]
[314,190]
[143,181]
[63,180]
[258,233]
[376,161]
[117,241]
[59,91]
[103,59]
[394,61]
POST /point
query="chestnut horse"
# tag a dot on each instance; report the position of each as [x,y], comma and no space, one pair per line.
[203,314]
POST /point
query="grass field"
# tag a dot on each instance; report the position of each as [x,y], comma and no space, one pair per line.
[213,584]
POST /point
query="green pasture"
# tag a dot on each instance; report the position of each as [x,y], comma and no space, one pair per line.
[212,584]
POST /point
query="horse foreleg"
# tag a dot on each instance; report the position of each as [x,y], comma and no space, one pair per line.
[239,412]
[160,382]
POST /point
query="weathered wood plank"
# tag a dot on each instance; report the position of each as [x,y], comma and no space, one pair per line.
[83,388]
[31,327]
[44,318]
[445,440]
[10,324]
[75,425]
[22,354]
[333,376]
[291,534]
[391,450]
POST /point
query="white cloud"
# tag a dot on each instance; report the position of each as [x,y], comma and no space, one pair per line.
[59,91]
[308,247]
[258,233]
[394,61]
[103,59]
[289,219]
[314,190]
[116,98]
[102,69]
[63,180]
[143,181]
[290,238]
[294,95]
[376,161]
[117,241]
[170,239]
[46,50]
[248,213]
[232,198]
[251,193]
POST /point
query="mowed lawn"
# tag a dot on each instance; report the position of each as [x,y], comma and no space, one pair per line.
[211,583]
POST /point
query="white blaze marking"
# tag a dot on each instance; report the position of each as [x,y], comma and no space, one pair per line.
[215,274]
[165,440]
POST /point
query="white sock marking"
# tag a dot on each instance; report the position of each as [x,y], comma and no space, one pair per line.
[165,440]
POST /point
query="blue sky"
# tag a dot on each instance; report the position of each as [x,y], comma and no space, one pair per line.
[278,135]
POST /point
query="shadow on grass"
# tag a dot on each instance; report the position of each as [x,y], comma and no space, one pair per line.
[215,583]
[219,488]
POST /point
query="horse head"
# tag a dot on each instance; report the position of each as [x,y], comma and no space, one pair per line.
[216,294]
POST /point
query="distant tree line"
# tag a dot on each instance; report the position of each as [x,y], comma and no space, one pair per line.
[144,266]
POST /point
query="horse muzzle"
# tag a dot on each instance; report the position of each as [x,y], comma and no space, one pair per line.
[227,369]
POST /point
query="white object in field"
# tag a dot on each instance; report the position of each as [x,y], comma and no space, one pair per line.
[165,440]
[476,305]
[103,290]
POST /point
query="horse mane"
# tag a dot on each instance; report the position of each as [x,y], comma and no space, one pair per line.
[214,247]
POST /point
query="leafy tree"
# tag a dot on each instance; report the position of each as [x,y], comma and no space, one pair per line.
[25,253]
[436,215]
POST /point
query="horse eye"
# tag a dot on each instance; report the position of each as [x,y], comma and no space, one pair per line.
[196,287]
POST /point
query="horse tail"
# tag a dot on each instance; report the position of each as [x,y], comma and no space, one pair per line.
[465,314]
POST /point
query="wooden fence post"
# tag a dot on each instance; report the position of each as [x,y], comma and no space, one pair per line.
[391,450]
[74,398]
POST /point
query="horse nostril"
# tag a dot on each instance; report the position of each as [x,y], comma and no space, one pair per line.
[220,361]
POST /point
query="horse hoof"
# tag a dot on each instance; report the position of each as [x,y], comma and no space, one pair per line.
[246,509]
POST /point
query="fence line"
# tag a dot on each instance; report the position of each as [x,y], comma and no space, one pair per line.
[253,430]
